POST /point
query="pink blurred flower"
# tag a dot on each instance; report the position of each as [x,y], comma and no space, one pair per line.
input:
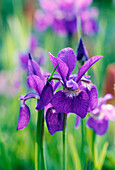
[62,16]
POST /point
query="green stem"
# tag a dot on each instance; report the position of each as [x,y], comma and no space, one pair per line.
[64,141]
[39,161]
[82,145]
[79,31]
[93,148]
[69,40]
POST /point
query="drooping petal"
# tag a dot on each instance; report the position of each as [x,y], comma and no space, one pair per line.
[62,68]
[34,68]
[83,69]
[82,53]
[78,120]
[54,121]
[68,56]
[69,101]
[29,96]
[100,126]
[91,90]
[24,117]
[35,83]
[45,97]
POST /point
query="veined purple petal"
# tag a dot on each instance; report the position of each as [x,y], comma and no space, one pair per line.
[83,69]
[82,53]
[24,117]
[34,68]
[100,126]
[45,97]
[71,101]
[68,56]
[29,96]
[62,68]
[54,121]
[78,120]
[91,90]
[35,83]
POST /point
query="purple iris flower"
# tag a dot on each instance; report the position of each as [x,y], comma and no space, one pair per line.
[100,116]
[78,95]
[62,16]
[44,92]
[43,88]
[82,53]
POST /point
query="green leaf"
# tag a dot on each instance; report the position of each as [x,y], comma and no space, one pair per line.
[74,152]
[50,78]
[102,156]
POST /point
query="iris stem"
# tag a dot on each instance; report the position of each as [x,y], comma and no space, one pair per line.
[69,40]
[79,31]
[82,144]
[40,161]
[64,141]
[93,147]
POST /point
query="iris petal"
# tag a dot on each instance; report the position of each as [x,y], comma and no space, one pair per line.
[54,121]
[83,69]
[91,90]
[71,102]
[24,117]
[68,56]
[34,68]
[45,97]
[62,68]
[35,83]
[100,126]
[29,96]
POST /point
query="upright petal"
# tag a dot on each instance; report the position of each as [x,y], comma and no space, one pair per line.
[24,117]
[100,126]
[35,83]
[71,102]
[68,56]
[54,121]
[83,69]
[34,68]
[45,97]
[62,68]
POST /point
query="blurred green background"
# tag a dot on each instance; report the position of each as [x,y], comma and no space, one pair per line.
[17,148]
